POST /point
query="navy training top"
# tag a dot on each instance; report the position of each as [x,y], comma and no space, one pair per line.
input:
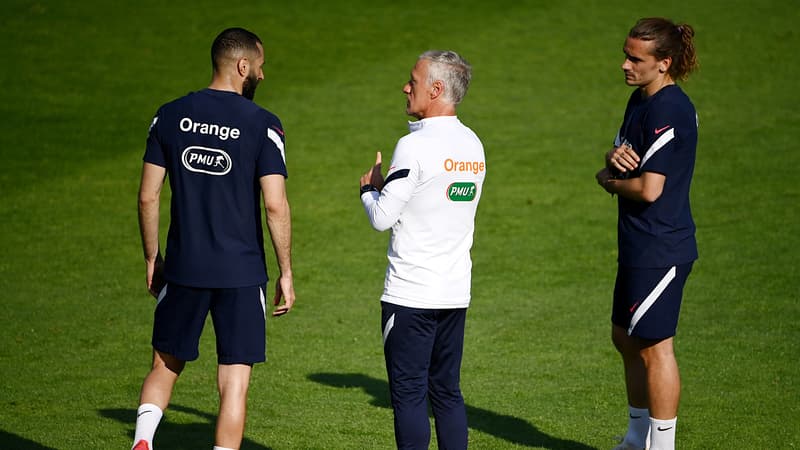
[662,129]
[215,145]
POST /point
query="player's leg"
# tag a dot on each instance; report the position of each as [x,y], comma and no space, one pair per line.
[158,385]
[635,373]
[654,322]
[628,347]
[636,389]
[663,379]
[239,322]
[447,403]
[233,381]
[178,322]
[408,336]
[664,391]
[155,395]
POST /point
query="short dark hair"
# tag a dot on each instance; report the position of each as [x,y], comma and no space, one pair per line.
[231,41]
[670,40]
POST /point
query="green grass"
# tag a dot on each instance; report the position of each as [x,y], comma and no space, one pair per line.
[82,80]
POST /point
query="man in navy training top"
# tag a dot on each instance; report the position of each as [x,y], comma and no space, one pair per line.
[222,154]
[650,169]
[429,199]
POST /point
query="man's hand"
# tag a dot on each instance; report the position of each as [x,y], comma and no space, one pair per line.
[284,288]
[373,175]
[622,158]
[155,276]
[603,177]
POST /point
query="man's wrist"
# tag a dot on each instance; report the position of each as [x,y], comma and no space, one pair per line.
[152,259]
[367,188]
[608,185]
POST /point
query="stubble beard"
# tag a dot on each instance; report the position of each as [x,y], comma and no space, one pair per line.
[249,87]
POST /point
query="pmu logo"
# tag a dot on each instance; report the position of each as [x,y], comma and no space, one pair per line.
[206,160]
[462,192]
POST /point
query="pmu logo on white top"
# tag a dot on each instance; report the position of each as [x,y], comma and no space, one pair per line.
[206,160]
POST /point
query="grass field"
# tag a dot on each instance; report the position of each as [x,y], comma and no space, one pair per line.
[83,79]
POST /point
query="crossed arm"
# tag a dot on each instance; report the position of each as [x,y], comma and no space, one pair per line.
[645,188]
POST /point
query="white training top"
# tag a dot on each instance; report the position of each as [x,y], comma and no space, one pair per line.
[429,200]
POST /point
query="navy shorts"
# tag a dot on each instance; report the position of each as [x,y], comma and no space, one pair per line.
[647,302]
[238,314]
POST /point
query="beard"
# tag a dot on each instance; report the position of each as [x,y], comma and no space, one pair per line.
[249,86]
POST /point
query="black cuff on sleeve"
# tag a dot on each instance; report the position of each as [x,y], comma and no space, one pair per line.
[367,188]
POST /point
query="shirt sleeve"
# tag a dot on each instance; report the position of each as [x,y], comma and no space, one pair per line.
[272,156]
[384,209]
[154,152]
[663,128]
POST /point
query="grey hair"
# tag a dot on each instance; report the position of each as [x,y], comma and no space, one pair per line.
[453,70]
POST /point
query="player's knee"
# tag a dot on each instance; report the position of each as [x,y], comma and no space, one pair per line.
[658,352]
[623,343]
[446,396]
[166,361]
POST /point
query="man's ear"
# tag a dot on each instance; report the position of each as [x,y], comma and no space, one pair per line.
[437,89]
[243,66]
[665,64]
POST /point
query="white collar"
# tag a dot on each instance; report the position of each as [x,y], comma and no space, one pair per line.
[419,124]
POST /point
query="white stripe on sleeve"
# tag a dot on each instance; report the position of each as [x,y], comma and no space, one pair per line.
[273,135]
[658,144]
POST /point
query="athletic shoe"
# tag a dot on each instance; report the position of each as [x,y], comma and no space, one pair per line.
[141,445]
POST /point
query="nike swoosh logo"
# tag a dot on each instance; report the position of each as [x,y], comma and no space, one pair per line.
[635,417]
[659,130]
[664,429]
[143,413]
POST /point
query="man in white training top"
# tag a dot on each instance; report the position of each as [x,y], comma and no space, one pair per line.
[428,199]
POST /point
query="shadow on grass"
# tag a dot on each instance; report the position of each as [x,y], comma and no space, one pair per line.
[509,428]
[8,440]
[173,435]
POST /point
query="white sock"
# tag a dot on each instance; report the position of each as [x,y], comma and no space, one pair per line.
[662,434]
[216,447]
[638,426]
[147,418]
